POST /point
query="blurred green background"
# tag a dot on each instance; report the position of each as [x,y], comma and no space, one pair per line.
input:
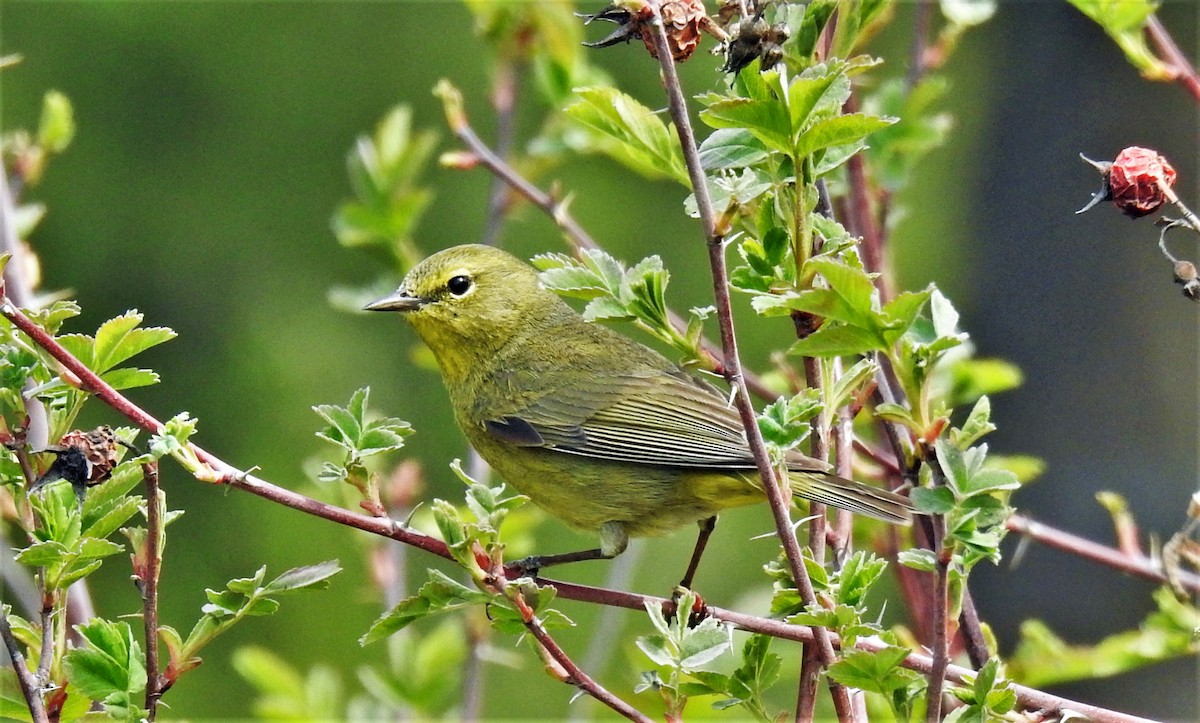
[211,154]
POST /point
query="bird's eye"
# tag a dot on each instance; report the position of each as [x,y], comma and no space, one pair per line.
[459,285]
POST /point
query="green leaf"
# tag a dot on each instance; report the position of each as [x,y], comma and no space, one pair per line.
[309,577]
[820,89]
[766,120]
[109,666]
[933,500]
[43,554]
[731,148]
[977,425]
[840,130]
[130,378]
[875,671]
[120,338]
[57,125]
[918,559]
[644,141]
[833,340]
[439,594]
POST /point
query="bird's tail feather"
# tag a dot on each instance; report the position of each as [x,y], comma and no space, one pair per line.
[853,496]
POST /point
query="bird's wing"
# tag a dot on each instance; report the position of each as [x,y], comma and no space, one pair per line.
[660,418]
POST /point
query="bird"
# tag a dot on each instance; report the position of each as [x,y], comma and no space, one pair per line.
[603,432]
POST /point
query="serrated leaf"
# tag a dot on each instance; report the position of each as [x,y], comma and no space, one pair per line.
[42,554]
[875,671]
[766,120]
[130,378]
[935,500]
[308,577]
[731,148]
[833,340]
[120,338]
[918,559]
[840,130]
[643,140]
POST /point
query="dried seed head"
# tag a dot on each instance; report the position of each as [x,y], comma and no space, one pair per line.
[1137,181]
[683,22]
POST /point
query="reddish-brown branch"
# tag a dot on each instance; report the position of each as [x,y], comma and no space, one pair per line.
[1136,565]
[1185,72]
[25,679]
[715,240]
[148,582]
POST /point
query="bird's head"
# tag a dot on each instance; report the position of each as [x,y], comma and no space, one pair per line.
[466,301]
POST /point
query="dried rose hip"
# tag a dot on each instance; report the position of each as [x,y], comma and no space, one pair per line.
[1137,181]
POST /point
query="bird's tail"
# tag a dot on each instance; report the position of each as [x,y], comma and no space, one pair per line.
[854,496]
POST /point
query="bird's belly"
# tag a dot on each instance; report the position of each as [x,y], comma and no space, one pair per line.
[586,493]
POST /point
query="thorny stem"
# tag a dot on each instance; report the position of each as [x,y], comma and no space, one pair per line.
[1185,72]
[575,234]
[714,237]
[25,679]
[148,583]
[1029,698]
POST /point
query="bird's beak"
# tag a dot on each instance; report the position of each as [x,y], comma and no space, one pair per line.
[399,301]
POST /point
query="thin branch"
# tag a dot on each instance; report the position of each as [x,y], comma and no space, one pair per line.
[714,237]
[49,633]
[1136,565]
[1185,72]
[568,671]
[25,679]
[147,578]
[810,666]
[941,607]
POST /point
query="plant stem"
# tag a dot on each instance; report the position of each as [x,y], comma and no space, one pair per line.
[25,679]
[1186,73]
[148,582]
[571,673]
[940,644]
[715,240]
[1138,566]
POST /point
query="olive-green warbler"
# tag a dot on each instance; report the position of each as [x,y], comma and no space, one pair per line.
[604,433]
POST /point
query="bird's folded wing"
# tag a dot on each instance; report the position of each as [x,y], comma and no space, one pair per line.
[660,419]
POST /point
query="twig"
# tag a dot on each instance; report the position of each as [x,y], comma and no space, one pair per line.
[148,583]
[810,666]
[941,607]
[569,673]
[1186,73]
[25,680]
[49,633]
[575,234]
[715,240]
[1138,566]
